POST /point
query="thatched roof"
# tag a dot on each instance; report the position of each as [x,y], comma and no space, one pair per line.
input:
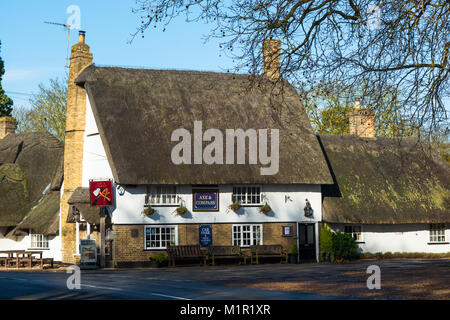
[44,217]
[137,110]
[81,200]
[28,165]
[384,181]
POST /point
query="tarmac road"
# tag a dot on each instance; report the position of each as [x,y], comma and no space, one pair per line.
[198,283]
[154,284]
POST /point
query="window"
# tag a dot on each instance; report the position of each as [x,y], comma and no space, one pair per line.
[246,235]
[39,241]
[247,195]
[437,232]
[159,237]
[355,232]
[162,195]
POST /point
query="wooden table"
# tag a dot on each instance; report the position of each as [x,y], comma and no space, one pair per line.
[18,256]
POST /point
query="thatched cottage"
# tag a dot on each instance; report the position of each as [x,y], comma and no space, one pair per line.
[31,168]
[162,137]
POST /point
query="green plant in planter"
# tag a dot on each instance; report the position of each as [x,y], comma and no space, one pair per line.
[235,206]
[148,211]
[181,209]
[265,208]
[160,257]
[294,249]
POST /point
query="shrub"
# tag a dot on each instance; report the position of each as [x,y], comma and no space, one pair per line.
[326,244]
[344,247]
[159,257]
[294,249]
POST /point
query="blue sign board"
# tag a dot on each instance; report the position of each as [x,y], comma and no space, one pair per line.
[205,235]
[206,200]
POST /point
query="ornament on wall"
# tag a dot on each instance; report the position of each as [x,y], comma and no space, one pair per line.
[120,190]
[308,210]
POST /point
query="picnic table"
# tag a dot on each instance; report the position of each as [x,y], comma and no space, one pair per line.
[16,258]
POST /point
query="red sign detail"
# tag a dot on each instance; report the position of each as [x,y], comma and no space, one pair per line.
[101,193]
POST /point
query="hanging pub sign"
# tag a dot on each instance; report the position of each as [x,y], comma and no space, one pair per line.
[206,200]
[205,235]
[101,193]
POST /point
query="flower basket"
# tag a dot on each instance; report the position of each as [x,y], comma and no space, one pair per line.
[234,206]
[265,208]
[148,211]
[181,210]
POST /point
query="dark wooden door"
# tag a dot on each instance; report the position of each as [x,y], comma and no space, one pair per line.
[307,241]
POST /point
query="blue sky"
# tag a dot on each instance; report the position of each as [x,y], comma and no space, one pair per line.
[35,52]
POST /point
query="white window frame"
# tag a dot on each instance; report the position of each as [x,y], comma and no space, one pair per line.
[437,230]
[160,192]
[43,240]
[246,201]
[353,232]
[241,232]
[159,226]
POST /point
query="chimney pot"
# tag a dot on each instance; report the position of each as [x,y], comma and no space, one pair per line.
[7,126]
[81,36]
[361,121]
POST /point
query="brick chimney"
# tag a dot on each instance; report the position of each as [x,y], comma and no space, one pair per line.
[7,126]
[271,59]
[362,121]
[80,58]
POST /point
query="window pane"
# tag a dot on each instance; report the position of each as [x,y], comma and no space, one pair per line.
[159,237]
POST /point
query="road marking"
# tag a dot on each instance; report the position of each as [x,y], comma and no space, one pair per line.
[164,295]
[98,287]
[180,280]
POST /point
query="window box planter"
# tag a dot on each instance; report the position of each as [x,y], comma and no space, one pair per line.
[293,254]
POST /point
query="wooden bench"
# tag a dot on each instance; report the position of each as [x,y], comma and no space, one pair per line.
[48,261]
[225,252]
[185,252]
[267,251]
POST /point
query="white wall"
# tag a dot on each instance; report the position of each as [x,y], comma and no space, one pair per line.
[398,238]
[24,243]
[129,207]
[95,161]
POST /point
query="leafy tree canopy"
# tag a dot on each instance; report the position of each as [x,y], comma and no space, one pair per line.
[48,110]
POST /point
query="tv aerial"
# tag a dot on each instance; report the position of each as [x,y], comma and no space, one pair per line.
[67,26]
